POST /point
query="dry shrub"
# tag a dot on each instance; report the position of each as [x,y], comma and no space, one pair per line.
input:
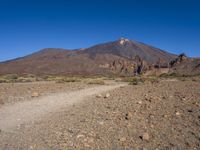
[97,81]
[67,79]
[132,80]
[8,78]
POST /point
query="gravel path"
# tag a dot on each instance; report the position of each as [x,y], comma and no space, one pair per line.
[12,116]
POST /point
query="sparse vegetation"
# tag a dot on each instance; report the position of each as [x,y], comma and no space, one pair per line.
[8,78]
[181,77]
[151,79]
[12,78]
[169,75]
[140,79]
[96,81]
[3,80]
[132,80]
[67,79]
[26,79]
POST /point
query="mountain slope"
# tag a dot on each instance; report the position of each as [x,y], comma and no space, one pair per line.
[91,61]
[129,49]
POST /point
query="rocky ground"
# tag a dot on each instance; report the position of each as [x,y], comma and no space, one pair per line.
[148,116]
[14,92]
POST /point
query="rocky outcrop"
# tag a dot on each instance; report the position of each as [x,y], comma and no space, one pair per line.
[136,66]
[122,67]
[181,58]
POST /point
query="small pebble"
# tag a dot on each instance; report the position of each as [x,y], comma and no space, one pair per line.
[178,113]
[99,96]
[145,136]
[107,95]
[79,136]
[123,139]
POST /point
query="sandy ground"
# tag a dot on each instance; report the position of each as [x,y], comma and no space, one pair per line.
[149,116]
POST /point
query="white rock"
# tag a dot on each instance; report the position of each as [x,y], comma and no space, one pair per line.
[101,122]
[80,136]
[107,95]
[178,113]
[99,96]
[123,139]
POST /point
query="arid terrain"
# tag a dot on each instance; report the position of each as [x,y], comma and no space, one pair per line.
[99,75]
[153,114]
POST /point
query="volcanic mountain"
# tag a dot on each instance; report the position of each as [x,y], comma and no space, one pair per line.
[99,59]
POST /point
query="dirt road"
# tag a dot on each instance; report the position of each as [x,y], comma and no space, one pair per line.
[12,116]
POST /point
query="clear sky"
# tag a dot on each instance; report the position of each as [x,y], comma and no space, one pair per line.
[27,26]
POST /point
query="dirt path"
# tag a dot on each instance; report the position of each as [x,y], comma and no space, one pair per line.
[160,115]
[12,116]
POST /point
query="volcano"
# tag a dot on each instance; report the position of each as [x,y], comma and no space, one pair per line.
[95,60]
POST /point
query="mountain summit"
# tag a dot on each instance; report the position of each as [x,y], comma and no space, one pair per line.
[130,49]
[123,41]
[98,59]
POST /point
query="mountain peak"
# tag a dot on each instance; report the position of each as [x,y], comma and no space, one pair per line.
[123,41]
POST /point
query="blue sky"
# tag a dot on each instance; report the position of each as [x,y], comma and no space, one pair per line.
[27,26]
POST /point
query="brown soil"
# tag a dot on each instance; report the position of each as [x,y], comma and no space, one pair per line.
[163,115]
[14,92]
